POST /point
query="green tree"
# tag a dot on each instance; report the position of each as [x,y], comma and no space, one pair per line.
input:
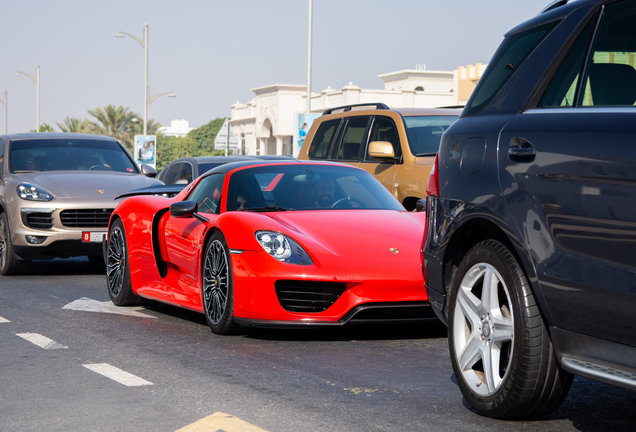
[44,128]
[117,122]
[205,135]
[77,125]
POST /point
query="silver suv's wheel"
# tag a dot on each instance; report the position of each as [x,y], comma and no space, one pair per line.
[500,349]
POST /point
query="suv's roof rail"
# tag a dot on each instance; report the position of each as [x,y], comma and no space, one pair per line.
[555,4]
[346,108]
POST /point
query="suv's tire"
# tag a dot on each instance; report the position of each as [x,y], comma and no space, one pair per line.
[118,268]
[495,325]
[217,289]
[9,263]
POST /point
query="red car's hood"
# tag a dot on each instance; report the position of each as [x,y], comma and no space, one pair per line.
[348,233]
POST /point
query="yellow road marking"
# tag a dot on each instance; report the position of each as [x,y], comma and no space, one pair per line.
[221,422]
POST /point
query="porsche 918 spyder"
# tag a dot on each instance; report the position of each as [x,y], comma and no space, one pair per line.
[261,243]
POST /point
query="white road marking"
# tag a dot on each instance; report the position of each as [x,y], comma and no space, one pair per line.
[221,422]
[41,341]
[4,320]
[90,305]
[117,374]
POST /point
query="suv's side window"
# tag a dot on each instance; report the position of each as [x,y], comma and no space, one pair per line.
[352,139]
[1,158]
[185,175]
[610,75]
[320,144]
[611,78]
[171,173]
[383,129]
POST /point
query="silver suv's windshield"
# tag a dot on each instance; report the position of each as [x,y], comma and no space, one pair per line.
[307,187]
[424,132]
[68,154]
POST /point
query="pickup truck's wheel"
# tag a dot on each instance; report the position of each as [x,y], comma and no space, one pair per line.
[501,352]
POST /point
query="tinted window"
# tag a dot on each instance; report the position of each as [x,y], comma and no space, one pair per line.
[207,193]
[562,89]
[185,175]
[383,129]
[307,187]
[425,132]
[610,76]
[508,58]
[205,167]
[319,147]
[69,154]
[172,171]
[352,139]
[1,157]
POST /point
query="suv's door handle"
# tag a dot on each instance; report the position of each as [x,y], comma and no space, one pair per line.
[521,150]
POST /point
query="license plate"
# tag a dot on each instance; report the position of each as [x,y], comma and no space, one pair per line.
[93,237]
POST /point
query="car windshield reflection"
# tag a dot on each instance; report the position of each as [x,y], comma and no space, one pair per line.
[307,187]
[68,155]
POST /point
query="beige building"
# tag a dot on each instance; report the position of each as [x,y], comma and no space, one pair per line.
[466,79]
[266,124]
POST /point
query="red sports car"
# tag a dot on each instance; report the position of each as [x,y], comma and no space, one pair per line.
[261,243]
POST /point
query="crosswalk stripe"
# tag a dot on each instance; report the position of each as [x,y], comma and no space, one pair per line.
[221,422]
[41,341]
[117,374]
[4,320]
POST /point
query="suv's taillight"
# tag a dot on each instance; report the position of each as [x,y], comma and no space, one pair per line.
[432,187]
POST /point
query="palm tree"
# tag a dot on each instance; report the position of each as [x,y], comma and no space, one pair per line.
[116,122]
[77,125]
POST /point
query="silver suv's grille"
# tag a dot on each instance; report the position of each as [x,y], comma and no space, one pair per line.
[85,218]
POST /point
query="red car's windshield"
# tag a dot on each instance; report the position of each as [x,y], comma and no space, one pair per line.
[307,187]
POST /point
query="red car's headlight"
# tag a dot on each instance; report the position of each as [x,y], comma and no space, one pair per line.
[283,248]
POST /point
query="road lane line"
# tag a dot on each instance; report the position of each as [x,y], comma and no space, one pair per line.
[4,320]
[41,341]
[89,305]
[221,421]
[117,374]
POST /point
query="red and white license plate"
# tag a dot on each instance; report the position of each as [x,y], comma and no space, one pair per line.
[93,237]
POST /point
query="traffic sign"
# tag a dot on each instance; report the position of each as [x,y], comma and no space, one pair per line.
[224,140]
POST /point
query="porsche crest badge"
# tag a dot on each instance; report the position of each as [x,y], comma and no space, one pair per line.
[101,191]
[394,250]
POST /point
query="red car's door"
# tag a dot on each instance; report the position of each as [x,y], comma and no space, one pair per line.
[182,242]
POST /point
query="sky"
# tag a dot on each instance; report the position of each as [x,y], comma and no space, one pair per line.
[212,53]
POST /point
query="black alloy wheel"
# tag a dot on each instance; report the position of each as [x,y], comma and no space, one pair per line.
[118,270]
[217,290]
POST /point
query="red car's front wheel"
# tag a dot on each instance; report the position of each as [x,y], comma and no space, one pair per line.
[217,290]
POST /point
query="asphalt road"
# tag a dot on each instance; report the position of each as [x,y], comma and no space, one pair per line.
[384,378]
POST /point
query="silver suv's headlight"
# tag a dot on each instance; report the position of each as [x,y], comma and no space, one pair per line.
[283,248]
[32,193]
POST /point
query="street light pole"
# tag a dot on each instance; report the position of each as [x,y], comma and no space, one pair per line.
[143,41]
[36,80]
[311,8]
[5,102]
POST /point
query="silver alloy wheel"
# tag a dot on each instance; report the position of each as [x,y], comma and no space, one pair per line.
[483,329]
[116,262]
[4,234]
[215,282]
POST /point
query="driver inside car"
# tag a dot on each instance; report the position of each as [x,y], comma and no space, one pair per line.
[324,193]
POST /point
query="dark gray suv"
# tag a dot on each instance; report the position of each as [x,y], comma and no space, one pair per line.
[530,253]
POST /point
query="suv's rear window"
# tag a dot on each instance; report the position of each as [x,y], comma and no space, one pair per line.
[510,55]
[425,132]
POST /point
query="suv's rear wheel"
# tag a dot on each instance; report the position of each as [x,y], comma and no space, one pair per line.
[500,349]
